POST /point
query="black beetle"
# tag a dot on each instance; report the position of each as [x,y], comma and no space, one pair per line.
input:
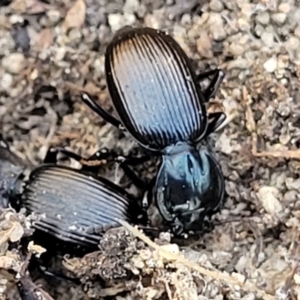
[74,207]
[158,98]
[11,171]
[78,207]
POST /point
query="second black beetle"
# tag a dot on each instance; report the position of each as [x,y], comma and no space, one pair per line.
[74,207]
[157,96]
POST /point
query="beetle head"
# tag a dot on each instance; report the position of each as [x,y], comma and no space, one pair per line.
[189,189]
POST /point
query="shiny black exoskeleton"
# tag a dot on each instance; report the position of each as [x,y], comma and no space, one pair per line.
[11,170]
[158,98]
[74,207]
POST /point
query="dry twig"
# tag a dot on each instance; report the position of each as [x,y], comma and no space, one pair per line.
[247,286]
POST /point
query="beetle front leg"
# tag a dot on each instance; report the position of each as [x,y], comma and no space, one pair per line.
[148,196]
[132,161]
[177,227]
[211,90]
[208,225]
[85,97]
[124,161]
[137,181]
[111,155]
[216,120]
[51,157]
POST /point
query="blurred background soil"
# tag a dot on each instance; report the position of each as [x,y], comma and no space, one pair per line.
[52,50]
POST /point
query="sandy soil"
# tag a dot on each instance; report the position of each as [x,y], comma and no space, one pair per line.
[52,50]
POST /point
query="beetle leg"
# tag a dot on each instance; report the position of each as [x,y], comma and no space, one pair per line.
[216,121]
[101,156]
[208,224]
[148,196]
[177,227]
[133,161]
[137,181]
[105,154]
[218,76]
[110,155]
[97,159]
[51,155]
[101,112]
[3,142]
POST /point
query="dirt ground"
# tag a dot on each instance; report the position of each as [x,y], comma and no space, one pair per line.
[52,50]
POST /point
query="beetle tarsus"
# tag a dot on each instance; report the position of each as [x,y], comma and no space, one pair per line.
[177,227]
[217,120]
[96,160]
[51,155]
[211,90]
[102,154]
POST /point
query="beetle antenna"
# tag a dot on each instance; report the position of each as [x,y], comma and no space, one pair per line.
[100,111]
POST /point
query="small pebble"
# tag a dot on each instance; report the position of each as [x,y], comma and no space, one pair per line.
[271,64]
[131,6]
[292,184]
[268,38]
[54,17]
[263,18]
[204,45]
[6,81]
[240,63]
[117,21]
[14,63]
[217,27]
[268,197]
[114,21]
[186,20]
[279,18]
[3,110]
[283,109]
[236,49]
[216,5]
[284,139]
[290,196]
[259,29]
[297,279]
[297,31]
[294,16]
[284,7]
[16,19]
[292,43]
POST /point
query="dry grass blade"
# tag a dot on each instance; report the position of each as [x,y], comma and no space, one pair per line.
[287,154]
[246,286]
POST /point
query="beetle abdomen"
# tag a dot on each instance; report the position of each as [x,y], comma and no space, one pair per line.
[153,88]
[77,208]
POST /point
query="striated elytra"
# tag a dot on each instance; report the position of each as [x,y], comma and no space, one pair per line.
[154,89]
[158,98]
[78,208]
[73,206]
